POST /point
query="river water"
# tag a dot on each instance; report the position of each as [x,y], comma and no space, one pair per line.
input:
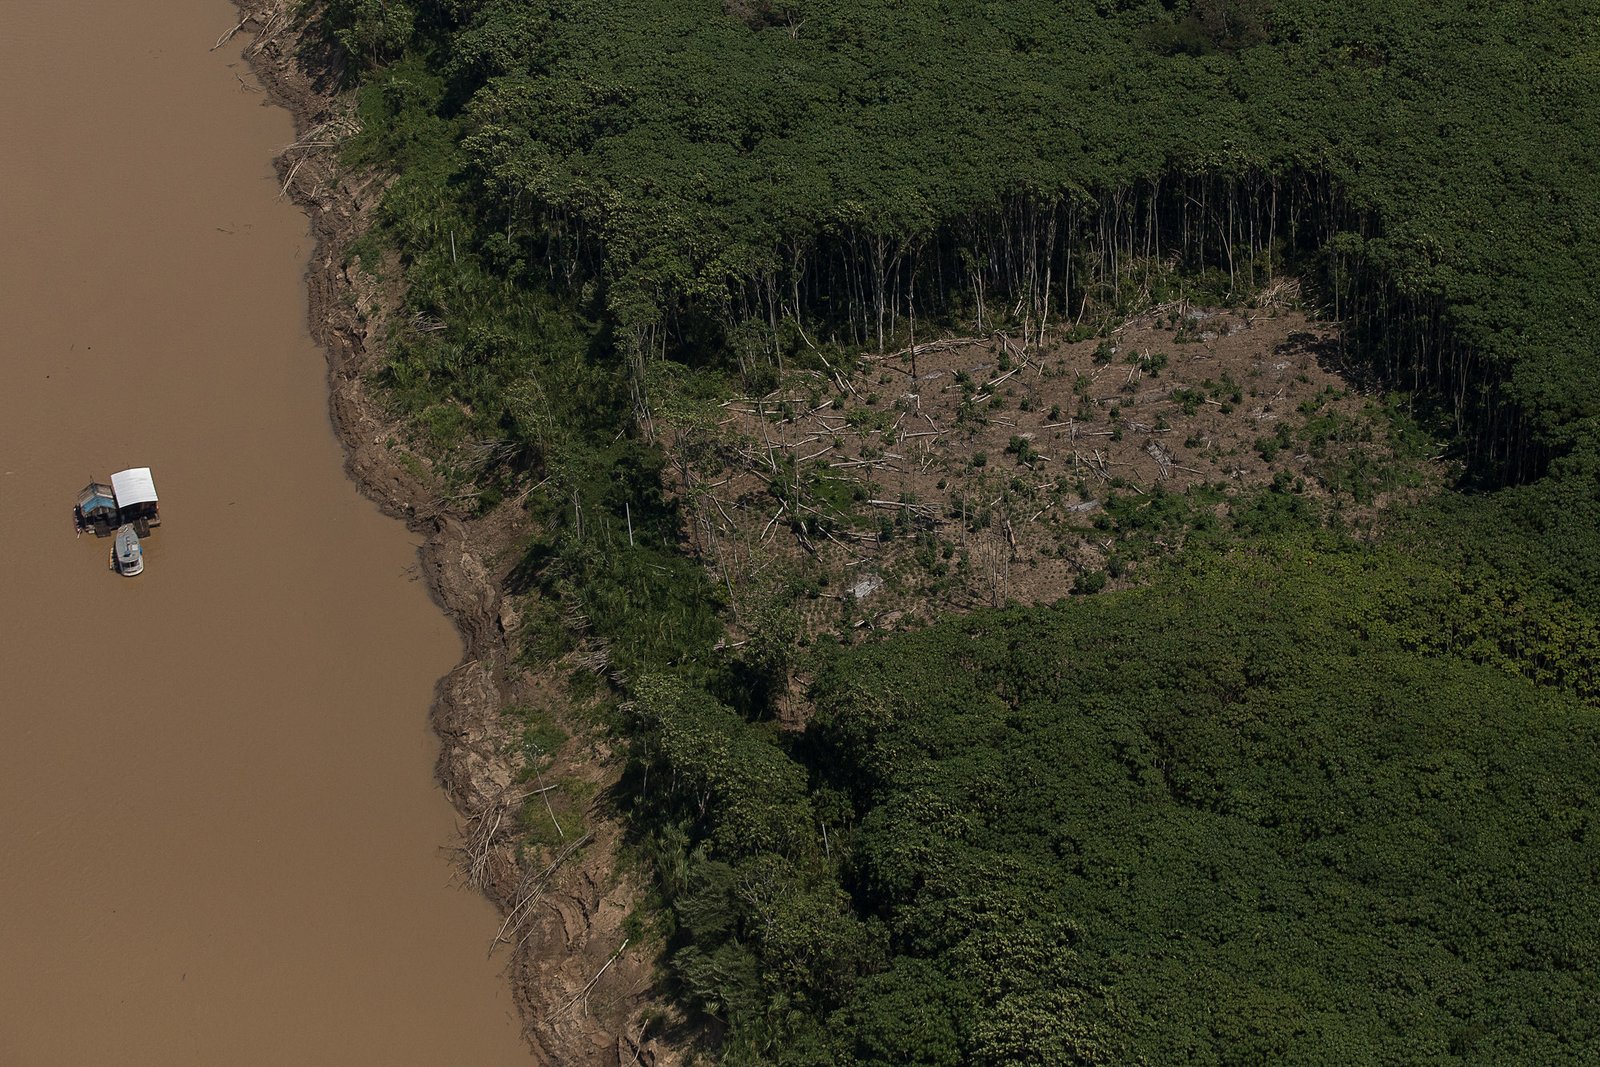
[220,836]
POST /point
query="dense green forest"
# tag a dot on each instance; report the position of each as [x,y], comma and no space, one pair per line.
[1300,797]
[1209,827]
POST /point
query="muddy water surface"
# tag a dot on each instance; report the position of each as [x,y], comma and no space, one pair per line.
[219,832]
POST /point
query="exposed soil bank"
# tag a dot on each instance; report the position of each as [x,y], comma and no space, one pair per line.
[585,996]
[222,844]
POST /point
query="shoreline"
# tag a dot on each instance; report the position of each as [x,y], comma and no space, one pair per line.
[571,913]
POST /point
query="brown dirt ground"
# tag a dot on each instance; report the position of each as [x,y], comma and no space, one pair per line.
[587,995]
[973,472]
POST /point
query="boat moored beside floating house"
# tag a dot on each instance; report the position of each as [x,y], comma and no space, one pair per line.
[129,499]
[128,508]
[127,555]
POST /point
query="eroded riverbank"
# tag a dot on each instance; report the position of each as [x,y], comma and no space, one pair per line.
[225,838]
[586,992]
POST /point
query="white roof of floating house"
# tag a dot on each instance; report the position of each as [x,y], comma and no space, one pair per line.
[134,486]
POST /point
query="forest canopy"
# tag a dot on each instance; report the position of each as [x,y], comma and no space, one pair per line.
[1302,798]
[824,158]
[1248,827]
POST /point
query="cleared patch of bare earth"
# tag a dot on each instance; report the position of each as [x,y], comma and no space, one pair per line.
[973,472]
[965,473]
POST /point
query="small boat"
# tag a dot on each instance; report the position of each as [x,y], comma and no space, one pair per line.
[127,555]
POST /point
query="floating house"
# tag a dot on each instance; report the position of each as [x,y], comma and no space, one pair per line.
[135,491]
[96,510]
[130,499]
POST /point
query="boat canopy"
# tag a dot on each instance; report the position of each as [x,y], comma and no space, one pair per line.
[134,486]
[128,555]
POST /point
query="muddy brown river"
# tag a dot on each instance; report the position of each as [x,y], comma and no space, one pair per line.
[220,835]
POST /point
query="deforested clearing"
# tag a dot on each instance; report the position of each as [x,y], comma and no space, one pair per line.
[1074,522]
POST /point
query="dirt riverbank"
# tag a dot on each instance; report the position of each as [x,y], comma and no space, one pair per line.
[586,996]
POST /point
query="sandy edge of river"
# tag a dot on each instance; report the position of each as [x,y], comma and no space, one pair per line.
[569,916]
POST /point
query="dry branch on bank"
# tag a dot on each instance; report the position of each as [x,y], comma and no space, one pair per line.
[530,890]
[584,992]
[235,28]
